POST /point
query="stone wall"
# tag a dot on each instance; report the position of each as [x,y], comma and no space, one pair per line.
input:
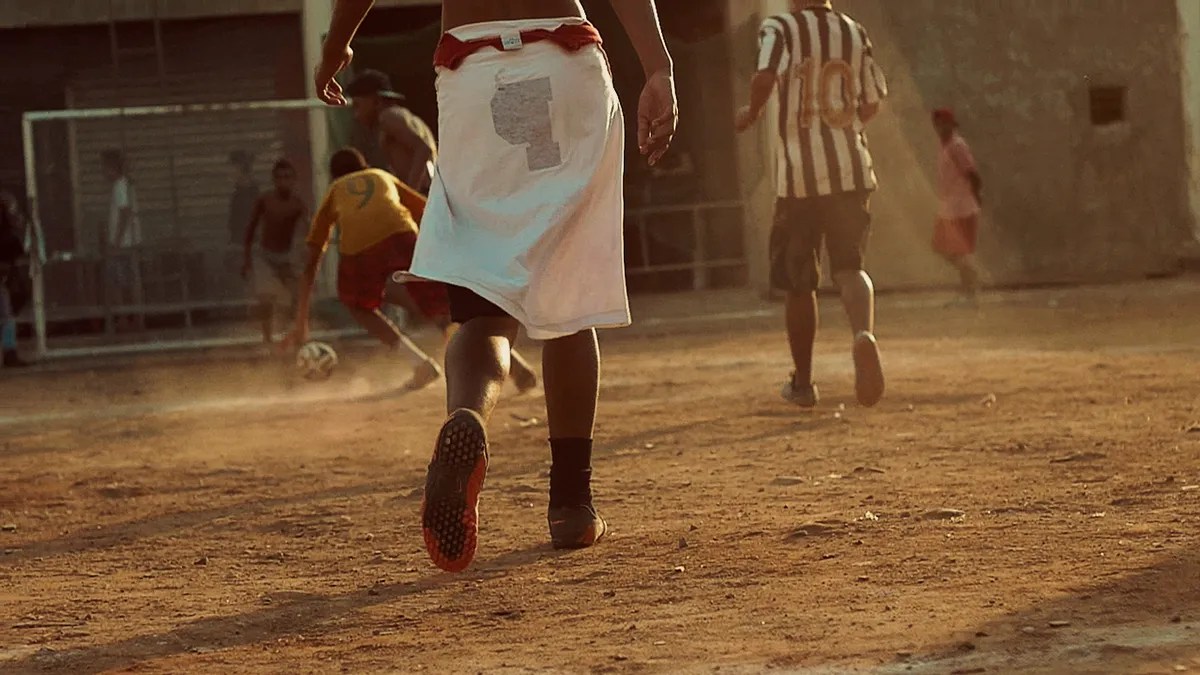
[1066,199]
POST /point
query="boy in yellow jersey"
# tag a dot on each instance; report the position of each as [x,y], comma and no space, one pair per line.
[377,215]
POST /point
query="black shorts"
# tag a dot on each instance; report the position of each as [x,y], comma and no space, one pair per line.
[466,304]
[841,222]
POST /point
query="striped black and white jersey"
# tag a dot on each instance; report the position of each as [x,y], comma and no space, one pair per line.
[825,72]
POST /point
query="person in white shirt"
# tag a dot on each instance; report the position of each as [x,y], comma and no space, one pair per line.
[123,235]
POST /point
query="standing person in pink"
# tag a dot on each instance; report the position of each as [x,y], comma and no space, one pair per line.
[960,195]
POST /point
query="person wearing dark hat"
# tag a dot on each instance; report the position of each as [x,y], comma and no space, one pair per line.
[960,195]
[405,138]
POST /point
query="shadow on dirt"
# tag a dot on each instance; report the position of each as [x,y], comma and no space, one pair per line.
[301,614]
[1140,619]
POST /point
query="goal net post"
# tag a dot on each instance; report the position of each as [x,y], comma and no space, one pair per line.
[167,274]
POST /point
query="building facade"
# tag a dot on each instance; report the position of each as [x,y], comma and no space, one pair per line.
[1083,115]
[1085,118]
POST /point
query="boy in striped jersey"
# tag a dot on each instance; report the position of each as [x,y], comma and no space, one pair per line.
[829,88]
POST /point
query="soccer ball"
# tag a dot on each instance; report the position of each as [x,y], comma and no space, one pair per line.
[316,361]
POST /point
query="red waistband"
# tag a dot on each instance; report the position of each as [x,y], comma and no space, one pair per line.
[572,37]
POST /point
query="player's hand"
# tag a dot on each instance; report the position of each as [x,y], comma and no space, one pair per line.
[328,89]
[744,119]
[658,114]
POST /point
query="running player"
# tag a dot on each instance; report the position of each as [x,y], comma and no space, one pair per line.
[829,88]
[524,220]
[378,217]
[960,195]
[280,211]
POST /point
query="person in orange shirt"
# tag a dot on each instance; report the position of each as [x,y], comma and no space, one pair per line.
[377,216]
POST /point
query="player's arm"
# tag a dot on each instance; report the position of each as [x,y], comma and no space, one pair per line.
[395,125]
[770,66]
[336,54]
[412,200]
[964,159]
[976,186]
[318,239]
[874,84]
[248,240]
[762,85]
[658,112]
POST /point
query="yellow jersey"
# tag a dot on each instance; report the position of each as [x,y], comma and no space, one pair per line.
[367,206]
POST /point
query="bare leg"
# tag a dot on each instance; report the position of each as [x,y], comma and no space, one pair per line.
[968,272]
[571,368]
[802,318]
[398,295]
[522,373]
[265,311]
[858,297]
[375,323]
[425,369]
[477,362]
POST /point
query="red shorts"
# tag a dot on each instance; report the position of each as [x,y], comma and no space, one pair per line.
[363,277]
[955,237]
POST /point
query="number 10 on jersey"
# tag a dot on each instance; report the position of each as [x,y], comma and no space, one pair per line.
[820,83]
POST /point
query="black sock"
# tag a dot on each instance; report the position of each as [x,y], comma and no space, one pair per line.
[570,471]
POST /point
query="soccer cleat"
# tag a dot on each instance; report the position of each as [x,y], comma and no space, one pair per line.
[450,508]
[575,526]
[424,375]
[868,370]
[805,396]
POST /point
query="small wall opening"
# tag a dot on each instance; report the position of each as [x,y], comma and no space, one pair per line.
[1107,105]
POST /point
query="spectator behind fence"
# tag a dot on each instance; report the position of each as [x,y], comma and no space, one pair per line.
[122,237]
[13,282]
[405,138]
[280,212]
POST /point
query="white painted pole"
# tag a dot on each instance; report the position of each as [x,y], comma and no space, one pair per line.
[174,109]
[315,23]
[1189,20]
[37,256]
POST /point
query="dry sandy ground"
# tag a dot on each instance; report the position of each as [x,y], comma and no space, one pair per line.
[1026,499]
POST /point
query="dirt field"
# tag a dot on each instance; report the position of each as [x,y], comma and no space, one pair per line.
[1026,499]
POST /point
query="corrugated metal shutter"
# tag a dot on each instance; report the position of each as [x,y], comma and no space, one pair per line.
[205,62]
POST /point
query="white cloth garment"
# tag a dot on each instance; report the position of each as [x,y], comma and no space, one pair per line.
[526,207]
[123,197]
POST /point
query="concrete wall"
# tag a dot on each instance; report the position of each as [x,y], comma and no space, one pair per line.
[1066,200]
[25,13]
